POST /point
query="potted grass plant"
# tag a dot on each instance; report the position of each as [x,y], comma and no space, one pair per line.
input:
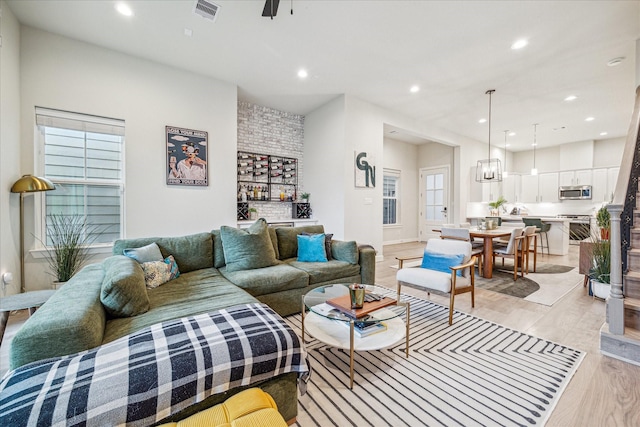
[600,273]
[603,219]
[67,248]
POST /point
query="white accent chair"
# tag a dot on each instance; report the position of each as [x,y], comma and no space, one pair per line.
[477,248]
[433,280]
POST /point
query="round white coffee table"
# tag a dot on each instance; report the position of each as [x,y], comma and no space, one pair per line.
[333,326]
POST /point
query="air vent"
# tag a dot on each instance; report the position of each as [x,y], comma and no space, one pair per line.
[206,9]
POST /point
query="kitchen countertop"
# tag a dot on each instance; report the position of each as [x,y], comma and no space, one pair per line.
[518,218]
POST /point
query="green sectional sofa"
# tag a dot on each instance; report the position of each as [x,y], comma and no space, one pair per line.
[89,310]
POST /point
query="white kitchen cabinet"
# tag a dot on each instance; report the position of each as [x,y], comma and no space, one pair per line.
[577,177]
[612,179]
[548,187]
[541,188]
[511,188]
[604,184]
[483,191]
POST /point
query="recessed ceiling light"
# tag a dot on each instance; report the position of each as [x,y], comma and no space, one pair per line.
[508,145]
[415,89]
[512,134]
[615,61]
[303,74]
[519,44]
[124,9]
[533,144]
[603,133]
[571,98]
[188,32]
[482,121]
[589,119]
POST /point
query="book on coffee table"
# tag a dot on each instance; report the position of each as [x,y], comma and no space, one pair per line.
[368,329]
[343,304]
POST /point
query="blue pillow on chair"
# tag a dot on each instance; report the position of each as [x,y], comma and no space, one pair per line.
[441,262]
[311,248]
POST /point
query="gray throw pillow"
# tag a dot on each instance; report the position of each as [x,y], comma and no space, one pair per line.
[147,253]
[124,292]
[247,249]
[345,251]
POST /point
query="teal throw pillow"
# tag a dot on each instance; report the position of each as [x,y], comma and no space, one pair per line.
[147,253]
[441,262]
[311,248]
[247,249]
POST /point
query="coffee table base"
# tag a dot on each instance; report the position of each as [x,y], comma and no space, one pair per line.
[329,332]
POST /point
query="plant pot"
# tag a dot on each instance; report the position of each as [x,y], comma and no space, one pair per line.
[305,200]
[604,233]
[253,215]
[57,285]
[600,290]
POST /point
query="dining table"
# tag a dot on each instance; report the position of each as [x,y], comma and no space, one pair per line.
[487,236]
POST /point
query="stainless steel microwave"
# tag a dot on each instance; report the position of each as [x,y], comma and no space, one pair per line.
[575,192]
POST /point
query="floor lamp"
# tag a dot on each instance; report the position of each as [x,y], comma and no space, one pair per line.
[28,184]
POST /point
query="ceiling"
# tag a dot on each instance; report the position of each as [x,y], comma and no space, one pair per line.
[376,50]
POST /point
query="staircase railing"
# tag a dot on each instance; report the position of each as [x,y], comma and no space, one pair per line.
[624,198]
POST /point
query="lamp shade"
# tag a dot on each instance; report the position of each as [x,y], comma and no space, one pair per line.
[31,184]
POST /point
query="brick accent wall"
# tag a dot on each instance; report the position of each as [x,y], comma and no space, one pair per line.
[267,131]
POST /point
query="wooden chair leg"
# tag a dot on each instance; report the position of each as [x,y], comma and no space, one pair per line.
[453,295]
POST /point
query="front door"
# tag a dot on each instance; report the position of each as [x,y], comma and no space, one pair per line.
[434,200]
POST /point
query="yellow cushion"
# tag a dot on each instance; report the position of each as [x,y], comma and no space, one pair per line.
[249,408]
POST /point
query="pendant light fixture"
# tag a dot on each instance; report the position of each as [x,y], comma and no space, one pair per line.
[489,170]
[505,173]
[534,170]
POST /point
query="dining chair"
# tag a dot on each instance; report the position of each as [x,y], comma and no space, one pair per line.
[447,267]
[543,228]
[477,248]
[529,232]
[513,250]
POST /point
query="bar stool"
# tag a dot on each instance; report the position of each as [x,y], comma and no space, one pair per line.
[542,228]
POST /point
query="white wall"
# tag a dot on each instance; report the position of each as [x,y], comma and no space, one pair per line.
[324,172]
[403,157]
[57,72]
[9,148]
[608,152]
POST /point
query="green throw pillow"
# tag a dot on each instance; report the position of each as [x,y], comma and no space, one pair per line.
[345,251]
[124,292]
[247,249]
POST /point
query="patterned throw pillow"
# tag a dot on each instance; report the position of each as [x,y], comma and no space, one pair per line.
[158,273]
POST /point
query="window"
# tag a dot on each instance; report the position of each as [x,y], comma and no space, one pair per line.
[390,190]
[82,155]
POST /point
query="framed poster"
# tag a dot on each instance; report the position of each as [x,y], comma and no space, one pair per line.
[186,156]
[365,169]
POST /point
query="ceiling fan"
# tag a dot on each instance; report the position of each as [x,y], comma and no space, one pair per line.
[271,8]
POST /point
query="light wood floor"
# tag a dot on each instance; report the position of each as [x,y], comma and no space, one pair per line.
[603,392]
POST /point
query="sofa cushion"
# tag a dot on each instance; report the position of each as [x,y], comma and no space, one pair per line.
[288,239]
[345,251]
[123,292]
[311,248]
[218,251]
[192,293]
[247,249]
[148,253]
[320,272]
[430,279]
[191,252]
[267,280]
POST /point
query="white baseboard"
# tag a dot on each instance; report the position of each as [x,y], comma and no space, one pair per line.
[395,242]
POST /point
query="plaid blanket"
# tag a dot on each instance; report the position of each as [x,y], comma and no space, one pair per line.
[153,373]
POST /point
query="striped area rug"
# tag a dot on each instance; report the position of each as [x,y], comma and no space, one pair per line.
[474,373]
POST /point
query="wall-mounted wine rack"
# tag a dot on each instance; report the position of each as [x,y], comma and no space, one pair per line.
[266,178]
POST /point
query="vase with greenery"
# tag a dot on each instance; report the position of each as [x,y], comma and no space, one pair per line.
[253,213]
[496,205]
[67,249]
[305,197]
[600,273]
[603,220]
